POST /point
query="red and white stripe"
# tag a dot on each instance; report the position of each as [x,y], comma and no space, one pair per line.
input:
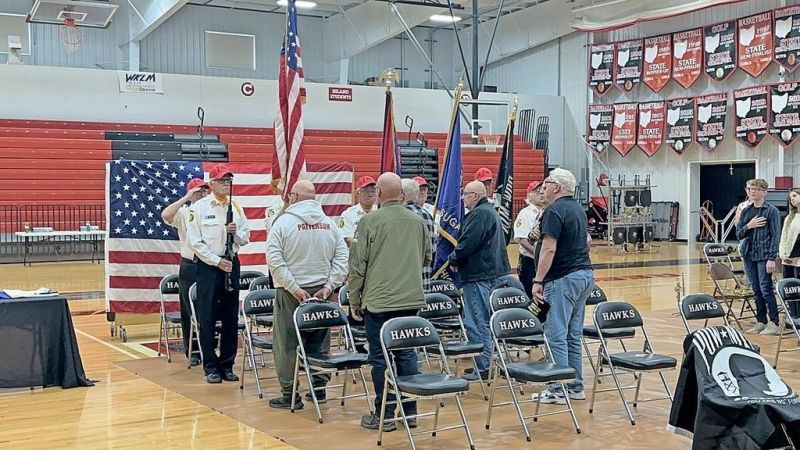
[135,267]
[289,160]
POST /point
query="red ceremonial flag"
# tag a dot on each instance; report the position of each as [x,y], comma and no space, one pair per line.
[755,43]
[390,152]
[289,160]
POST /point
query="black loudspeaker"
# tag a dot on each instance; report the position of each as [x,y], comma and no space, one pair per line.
[619,236]
[634,235]
[649,233]
[631,198]
[645,198]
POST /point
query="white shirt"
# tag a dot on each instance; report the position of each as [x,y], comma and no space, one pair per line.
[527,220]
[206,229]
[350,218]
[430,208]
[179,222]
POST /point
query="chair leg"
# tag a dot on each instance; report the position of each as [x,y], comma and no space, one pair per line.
[516,405]
[244,358]
[666,386]
[439,405]
[491,400]
[161,335]
[464,421]
[638,386]
[366,390]
[344,387]
[383,409]
[569,407]
[480,380]
[295,381]
[399,396]
[191,345]
[780,341]
[539,403]
[622,394]
[596,380]
[312,390]
[589,354]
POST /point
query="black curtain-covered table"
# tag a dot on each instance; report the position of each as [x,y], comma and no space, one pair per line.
[38,345]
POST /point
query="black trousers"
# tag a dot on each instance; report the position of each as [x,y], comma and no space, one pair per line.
[526,270]
[214,304]
[187,275]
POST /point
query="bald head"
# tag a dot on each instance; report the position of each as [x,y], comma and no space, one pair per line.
[304,190]
[391,188]
[474,191]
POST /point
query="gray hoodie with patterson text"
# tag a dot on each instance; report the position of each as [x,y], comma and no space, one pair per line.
[305,249]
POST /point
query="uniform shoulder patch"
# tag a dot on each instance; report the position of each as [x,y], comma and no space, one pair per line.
[191,216]
[341,222]
[518,223]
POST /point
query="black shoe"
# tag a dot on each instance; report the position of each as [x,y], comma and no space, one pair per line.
[228,375]
[322,396]
[468,370]
[213,378]
[194,361]
[285,402]
[412,422]
[474,377]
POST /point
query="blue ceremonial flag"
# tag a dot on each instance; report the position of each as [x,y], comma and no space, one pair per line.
[449,204]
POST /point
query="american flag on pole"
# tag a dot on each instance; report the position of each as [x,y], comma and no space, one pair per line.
[141,249]
[289,160]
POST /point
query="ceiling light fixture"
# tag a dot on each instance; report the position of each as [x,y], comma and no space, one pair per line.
[444,18]
[299,3]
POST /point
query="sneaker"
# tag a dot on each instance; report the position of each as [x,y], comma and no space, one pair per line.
[194,361]
[770,330]
[550,397]
[468,370]
[371,421]
[472,376]
[228,375]
[412,422]
[322,396]
[576,395]
[285,402]
[758,328]
[213,378]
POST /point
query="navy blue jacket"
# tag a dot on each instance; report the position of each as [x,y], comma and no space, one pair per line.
[481,251]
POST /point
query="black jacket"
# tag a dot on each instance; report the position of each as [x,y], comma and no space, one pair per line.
[481,251]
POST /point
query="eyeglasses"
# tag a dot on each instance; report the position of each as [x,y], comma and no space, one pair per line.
[465,194]
[224,180]
[754,189]
[293,193]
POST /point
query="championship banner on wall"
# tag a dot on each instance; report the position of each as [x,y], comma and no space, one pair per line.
[752,115]
[657,63]
[720,48]
[599,133]
[784,117]
[601,67]
[141,82]
[787,37]
[628,68]
[755,43]
[623,133]
[687,56]
[650,134]
[711,114]
[680,126]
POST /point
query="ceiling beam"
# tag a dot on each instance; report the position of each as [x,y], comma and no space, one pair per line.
[151,13]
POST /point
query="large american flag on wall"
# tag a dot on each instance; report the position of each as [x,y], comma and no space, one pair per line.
[141,249]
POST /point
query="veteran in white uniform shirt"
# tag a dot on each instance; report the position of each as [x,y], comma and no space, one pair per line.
[367,196]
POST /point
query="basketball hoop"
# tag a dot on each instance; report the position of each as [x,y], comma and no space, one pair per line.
[71,35]
[492,141]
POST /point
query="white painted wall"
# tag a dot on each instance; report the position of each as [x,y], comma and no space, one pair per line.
[93,95]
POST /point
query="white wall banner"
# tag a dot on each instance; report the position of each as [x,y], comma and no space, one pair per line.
[140,82]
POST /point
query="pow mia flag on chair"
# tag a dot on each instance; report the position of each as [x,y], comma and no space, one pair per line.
[728,396]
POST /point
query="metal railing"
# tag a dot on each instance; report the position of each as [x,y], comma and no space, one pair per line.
[60,217]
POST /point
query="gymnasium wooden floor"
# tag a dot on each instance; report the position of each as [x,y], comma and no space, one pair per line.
[143,402]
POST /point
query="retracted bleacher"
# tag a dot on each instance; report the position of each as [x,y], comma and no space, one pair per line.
[166,146]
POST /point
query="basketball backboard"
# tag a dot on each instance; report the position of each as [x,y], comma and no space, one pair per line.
[92,14]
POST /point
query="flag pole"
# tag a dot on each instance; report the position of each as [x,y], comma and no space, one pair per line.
[453,118]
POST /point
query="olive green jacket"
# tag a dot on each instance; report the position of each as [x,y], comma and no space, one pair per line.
[390,247]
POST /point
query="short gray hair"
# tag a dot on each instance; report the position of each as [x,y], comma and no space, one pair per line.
[564,178]
[410,189]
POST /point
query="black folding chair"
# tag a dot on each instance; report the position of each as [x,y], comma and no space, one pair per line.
[170,321]
[516,324]
[457,347]
[246,278]
[318,314]
[416,333]
[359,332]
[728,289]
[258,284]
[589,334]
[511,297]
[447,327]
[788,290]
[257,303]
[696,307]
[612,315]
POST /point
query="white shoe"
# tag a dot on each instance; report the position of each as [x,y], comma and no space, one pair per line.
[575,395]
[758,328]
[770,330]
[549,397]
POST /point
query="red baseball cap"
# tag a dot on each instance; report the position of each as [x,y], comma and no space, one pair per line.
[484,174]
[219,171]
[365,181]
[532,186]
[420,181]
[196,182]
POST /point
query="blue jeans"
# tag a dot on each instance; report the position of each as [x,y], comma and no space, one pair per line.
[404,360]
[476,318]
[564,328]
[761,282]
